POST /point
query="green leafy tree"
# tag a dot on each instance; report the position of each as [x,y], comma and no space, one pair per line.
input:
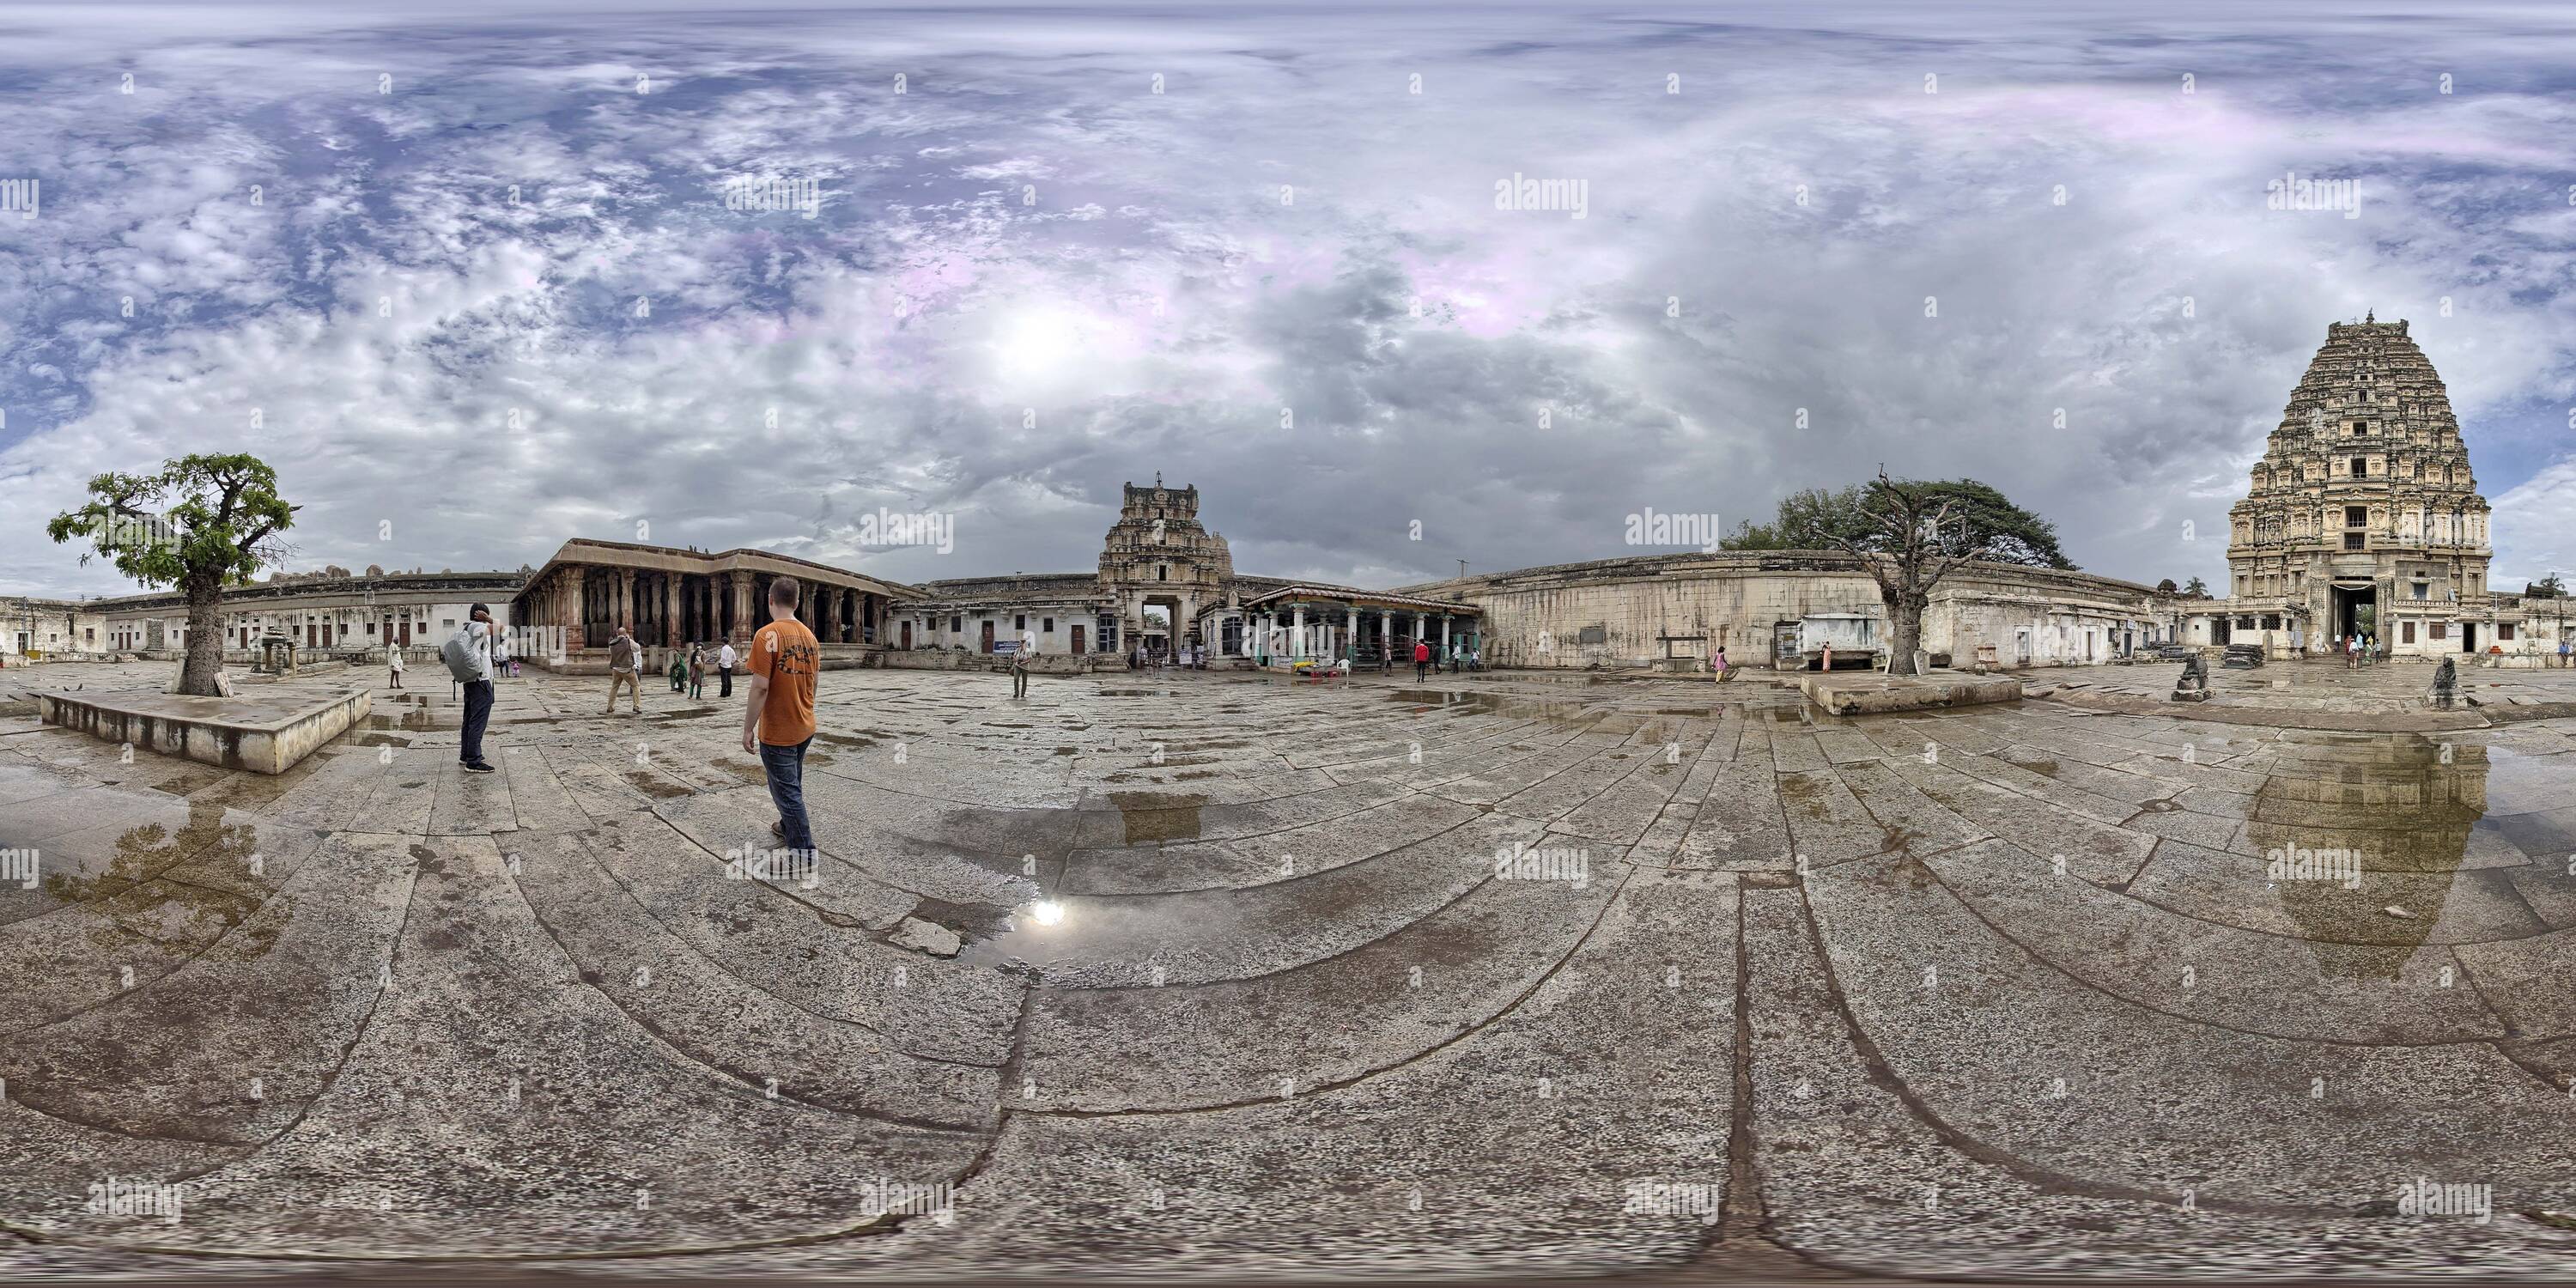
[202,523]
[2549,587]
[1911,535]
[1978,516]
[2196,588]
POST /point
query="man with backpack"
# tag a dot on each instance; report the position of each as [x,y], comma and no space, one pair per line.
[625,666]
[468,655]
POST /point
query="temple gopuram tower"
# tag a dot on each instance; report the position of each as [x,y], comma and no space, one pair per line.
[1159,555]
[2363,515]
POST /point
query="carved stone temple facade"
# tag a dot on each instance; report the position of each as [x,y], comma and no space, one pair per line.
[1158,555]
[2363,515]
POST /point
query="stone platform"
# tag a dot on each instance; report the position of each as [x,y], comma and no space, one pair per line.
[265,734]
[1874,694]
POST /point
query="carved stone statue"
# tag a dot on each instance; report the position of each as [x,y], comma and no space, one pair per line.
[2446,684]
[2194,684]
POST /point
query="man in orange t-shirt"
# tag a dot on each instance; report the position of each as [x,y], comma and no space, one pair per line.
[778,721]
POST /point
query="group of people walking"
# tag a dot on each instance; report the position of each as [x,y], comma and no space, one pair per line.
[688,673]
[1427,659]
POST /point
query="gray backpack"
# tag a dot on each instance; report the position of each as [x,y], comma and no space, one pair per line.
[458,653]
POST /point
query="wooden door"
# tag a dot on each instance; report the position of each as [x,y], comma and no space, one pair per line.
[988,637]
[1077,641]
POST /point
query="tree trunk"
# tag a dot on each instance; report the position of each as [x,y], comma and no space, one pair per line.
[205,641]
[1905,631]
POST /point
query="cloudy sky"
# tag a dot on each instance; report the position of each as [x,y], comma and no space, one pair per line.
[481,278]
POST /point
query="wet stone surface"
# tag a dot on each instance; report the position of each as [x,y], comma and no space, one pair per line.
[1227,975]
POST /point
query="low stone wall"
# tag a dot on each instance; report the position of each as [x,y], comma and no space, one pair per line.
[266,736]
[1614,614]
[1865,694]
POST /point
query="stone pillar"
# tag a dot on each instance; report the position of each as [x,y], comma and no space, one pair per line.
[1386,631]
[625,598]
[671,625]
[741,629]
[576,622]
[1421,630]
[1444,635]
[1350,631]
[1297,632]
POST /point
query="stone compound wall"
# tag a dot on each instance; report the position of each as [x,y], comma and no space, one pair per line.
[1623,607]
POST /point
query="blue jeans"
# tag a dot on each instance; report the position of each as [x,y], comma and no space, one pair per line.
[785,767]
[478,713]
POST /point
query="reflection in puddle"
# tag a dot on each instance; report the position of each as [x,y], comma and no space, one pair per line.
[2398,809]
[415,719]
[1545,710]
[179,889]
[1154,817]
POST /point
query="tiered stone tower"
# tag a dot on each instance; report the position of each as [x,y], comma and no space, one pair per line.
[1159,554]
[2363,514]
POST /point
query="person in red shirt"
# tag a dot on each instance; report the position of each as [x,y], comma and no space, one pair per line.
[778,722]
[1421,659]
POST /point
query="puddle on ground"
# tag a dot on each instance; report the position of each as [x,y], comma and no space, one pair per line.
[2399,808]
[850,740]
[1155,817]
[416,719]
[168,887]
[657,788]
[973,922]
[1554,711]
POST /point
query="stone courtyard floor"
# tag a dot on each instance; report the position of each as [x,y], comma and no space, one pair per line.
[1224,975]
